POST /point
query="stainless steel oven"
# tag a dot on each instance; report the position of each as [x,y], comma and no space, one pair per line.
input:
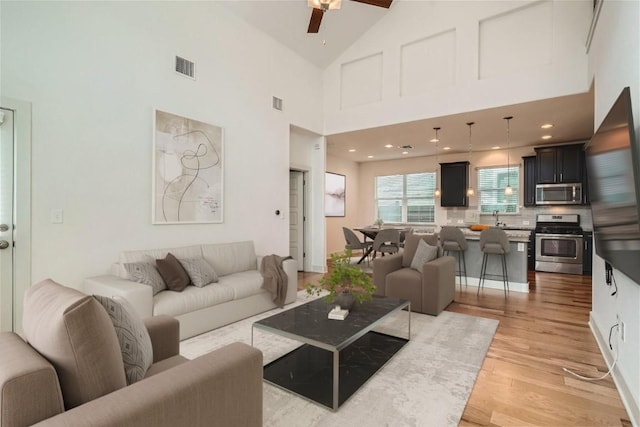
[559,244]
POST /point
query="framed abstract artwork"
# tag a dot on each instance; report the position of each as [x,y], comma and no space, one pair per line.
[187,170]
[334,194]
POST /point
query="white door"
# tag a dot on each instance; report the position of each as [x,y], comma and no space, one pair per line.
[296,217]
[6,218]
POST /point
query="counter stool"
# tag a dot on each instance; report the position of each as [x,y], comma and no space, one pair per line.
[453,240]
[494,241]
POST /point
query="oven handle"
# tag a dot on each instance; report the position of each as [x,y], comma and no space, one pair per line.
[564,236]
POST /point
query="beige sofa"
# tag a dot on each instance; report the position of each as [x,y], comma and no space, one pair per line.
[237,295]
[71,372]
[430,290]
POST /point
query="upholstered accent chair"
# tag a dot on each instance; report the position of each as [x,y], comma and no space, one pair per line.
[70,372]
[430,286]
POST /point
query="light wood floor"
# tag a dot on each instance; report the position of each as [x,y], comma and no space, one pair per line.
[521,382]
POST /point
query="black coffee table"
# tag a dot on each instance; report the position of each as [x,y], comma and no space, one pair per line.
[337,356]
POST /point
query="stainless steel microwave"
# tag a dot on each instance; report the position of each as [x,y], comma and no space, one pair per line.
[559,194]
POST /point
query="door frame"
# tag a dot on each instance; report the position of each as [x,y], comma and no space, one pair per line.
[22,204]
[306,229]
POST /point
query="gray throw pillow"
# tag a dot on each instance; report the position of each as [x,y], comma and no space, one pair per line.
[200,271]
[135,342]
[147,274]
[424,253]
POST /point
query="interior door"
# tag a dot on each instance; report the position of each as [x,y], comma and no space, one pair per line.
[296,217]
[6,218]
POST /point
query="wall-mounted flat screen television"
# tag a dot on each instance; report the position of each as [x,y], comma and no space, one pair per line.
[613,174]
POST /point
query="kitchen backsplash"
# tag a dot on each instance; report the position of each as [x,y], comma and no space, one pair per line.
[455,215]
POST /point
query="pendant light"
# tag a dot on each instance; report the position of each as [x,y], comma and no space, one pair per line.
[508,190]
[436,192]
[470,191]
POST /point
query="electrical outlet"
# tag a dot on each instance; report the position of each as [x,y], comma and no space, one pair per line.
[525,222]
[56,216]
[460,221]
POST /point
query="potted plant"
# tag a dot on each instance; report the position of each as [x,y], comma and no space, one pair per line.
[379,222]
[345,283]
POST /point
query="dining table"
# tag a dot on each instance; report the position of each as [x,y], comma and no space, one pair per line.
[371,232]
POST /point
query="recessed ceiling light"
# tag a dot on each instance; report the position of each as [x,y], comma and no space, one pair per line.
[405,152]
[388,146]
[546,137]
[495,147]
[546,126]
[352,150]
[446,148]
[369,157]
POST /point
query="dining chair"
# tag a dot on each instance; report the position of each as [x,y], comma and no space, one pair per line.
[386,241]
[353,243]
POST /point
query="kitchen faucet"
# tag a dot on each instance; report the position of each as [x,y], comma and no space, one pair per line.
[497,215]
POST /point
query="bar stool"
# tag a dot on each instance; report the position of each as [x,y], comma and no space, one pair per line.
[494,241]
[453,240]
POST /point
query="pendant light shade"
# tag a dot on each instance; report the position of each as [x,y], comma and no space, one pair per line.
[437,192]
[470,190]
[508,191]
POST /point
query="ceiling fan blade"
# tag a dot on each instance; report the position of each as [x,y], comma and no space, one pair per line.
[316,19]
[380,3]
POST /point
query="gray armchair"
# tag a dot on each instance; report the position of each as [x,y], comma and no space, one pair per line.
[71,372]
[430,290]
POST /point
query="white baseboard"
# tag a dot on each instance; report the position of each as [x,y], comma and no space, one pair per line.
[625,393]
[496,284]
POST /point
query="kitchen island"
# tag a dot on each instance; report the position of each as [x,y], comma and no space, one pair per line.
[516,261]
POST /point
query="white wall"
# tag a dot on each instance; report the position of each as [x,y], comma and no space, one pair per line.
[614,62]
[94,72]
[404,68]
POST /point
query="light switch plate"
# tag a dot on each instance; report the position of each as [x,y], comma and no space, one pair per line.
[56,216]
[525,222]
[520,247]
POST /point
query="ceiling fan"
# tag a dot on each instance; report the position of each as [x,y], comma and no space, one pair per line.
[321,6]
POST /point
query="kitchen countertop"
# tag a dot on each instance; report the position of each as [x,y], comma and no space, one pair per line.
[514,235]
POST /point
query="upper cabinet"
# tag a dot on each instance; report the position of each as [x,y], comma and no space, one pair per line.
[454,180]
[561,164]
[529,180]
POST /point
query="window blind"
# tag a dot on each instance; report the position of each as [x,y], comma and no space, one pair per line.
[491,184]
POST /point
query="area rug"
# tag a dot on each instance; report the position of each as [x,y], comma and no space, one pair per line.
[428,382]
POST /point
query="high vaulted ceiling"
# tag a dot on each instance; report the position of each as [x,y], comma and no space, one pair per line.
[286,21]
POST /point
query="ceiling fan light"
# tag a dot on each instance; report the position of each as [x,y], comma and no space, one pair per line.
[325,4]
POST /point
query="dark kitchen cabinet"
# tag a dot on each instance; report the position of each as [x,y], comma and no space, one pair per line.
[560,164]
[587,254]
[529,180]
[454,178]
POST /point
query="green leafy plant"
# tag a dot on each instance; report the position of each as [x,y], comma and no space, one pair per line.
[379,222]
[343,277]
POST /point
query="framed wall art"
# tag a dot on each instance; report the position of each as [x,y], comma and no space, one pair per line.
[187,170]
[334,194]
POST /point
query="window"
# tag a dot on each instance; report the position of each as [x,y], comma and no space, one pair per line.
[406,198]
[491,185]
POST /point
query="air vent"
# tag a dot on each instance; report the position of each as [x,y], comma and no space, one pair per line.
[277,103]
[186,67]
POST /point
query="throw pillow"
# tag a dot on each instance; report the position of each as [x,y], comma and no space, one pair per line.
[173,273]
[146,274]
[200,271]
[135,342]
[424,253]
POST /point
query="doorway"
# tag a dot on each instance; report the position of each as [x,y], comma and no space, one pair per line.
[297,217]
[7,145]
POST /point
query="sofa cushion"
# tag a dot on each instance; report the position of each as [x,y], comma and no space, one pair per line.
[424,253]
[173,273]
[411,245]
[74,333]
[191,299]
[135,342]
[146,274]
[228,258]
[200,271]
[243,284]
